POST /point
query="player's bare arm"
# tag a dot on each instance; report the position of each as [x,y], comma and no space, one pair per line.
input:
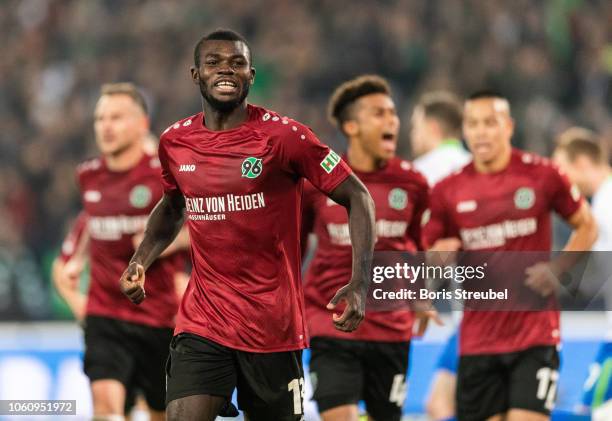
[67,287]
[164,224]
[181,242]
[353,195]
[542,277]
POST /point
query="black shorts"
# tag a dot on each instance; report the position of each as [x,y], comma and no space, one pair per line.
[495,383]
[343,372]
[131,353]
[270,385]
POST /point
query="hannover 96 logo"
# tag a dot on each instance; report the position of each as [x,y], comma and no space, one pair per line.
[251,167]
[140,196]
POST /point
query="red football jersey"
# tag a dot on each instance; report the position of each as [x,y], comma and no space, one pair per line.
[243,193]
[72,239]
[117,205]
[509,210]
[400,195]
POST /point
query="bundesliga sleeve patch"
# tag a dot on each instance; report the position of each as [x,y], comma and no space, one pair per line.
[330,161]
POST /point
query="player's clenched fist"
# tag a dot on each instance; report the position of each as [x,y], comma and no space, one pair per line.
[132,283]
[355,307]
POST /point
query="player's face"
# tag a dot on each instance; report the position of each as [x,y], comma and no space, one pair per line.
[577,171]
[225,74]
[488,128]
[376,125]
[420,131]
[119,123]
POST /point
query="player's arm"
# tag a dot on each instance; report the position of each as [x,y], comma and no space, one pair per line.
[584,232]
[163,225]
[543,277]
[567,202]
[180,243]
[354,196]
[68,266]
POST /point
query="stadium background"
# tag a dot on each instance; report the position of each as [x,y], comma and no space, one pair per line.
[552,58]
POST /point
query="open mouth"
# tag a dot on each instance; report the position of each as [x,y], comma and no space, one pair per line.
[482,147]
[388,136]
[226,85]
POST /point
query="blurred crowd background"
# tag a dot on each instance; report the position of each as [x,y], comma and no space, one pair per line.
[552,58]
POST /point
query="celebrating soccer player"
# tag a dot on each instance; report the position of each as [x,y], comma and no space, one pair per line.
[508,363]
[126,346]
[236,172]
[371,363]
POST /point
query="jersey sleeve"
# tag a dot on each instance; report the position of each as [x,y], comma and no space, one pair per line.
[303,154]
[421,206]
[168,181]
[435,220]
[72,240]
[565,197]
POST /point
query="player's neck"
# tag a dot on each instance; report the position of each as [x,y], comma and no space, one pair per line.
[360,160]
[216,120]
[126,159]
[498,164]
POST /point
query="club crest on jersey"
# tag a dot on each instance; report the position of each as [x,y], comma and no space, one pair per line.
[398,199]
[524,198]
[140,196]
[252,167]
[330,161]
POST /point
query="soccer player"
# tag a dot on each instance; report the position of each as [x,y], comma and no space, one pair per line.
[126,346]
[236,170]
[508,364]
[435,136]
[371,363]
[581,156]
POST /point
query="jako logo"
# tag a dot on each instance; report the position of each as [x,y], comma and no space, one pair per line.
[187,168]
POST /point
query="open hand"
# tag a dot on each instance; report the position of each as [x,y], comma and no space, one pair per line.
[422,319]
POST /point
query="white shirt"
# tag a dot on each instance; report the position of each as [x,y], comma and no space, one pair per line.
[601,206]
[447,158]
[602,211]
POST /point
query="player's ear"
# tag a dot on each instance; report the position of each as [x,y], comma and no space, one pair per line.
[510,124]
[350,127]
[195,75]
[252,81]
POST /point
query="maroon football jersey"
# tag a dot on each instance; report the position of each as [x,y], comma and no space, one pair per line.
[243,193]
[400,195]
[508,210]
[71,241]
[117,205]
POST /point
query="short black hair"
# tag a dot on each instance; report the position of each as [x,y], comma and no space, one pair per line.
[486,93]
[445,108]
[220,35]
[346,94]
